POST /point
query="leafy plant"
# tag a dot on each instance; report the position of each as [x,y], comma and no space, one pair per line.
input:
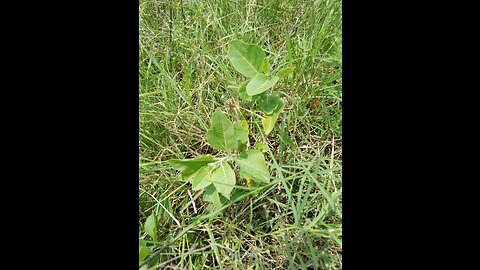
[151,227]
[217,175]
[251,62]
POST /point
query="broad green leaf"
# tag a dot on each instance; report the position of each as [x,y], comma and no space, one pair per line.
[223,178]
[269,103]
[246,58]
[261,147]
[284,72]
[240,134]
[260,83]
[266,66]
[202,178]
[221,135]
[252,165]
[269,121]
[188,167]
[142,253]
[151,226]
[211,195]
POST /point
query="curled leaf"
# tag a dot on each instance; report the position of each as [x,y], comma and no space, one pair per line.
[269,121]
[284,72]
[269,103]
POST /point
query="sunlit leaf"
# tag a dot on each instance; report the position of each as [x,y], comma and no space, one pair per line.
[246,58]
[143,252]
[244,125]
[266,66]
[151,226]
[252,165]
[202,178]
[221,135]
[188,167]
[261,147]
[260,83]
[284,72]
[223,179]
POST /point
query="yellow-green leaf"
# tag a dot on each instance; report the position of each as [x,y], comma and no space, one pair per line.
[269,121]
[244,124]
[284,72]
[142,253]
[150,226]
[261,147]
[266,66]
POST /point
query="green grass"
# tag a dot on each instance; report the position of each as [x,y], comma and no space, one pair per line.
[295,222]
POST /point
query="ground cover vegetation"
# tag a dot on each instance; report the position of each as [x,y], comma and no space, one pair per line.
[240,136]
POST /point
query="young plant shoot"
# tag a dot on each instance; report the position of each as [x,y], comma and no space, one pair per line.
[216,175]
